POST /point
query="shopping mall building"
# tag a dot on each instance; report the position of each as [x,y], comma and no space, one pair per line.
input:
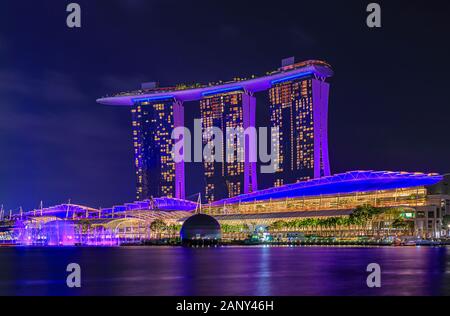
[421,200]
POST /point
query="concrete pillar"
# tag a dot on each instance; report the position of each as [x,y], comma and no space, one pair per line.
[320,113]
[178,118]
[249,116]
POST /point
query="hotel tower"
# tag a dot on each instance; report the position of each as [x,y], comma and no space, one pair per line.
[153,123]
[298,108]
[226,178]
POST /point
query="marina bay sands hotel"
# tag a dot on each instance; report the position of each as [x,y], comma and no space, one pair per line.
[298,107]
[298,200]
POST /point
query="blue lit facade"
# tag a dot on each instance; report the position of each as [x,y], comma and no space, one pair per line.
[334,196]
[298,108]
[223,179]
[350,182]
[152,126]
[299,100]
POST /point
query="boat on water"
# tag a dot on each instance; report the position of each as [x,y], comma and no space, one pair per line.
[409,243]
[426,242]
[416,242]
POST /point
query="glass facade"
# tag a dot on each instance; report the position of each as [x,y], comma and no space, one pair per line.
[412,197]
[297,108]
[223,179]
[292,107]
[153,123]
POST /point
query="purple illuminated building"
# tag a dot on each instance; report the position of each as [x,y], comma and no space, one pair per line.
[232,177]
[298,108]
[155,169]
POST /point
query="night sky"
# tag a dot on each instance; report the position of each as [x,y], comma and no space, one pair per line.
[389,105]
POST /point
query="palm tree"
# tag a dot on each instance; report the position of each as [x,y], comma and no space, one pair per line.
[277,225]
[399,223]
[309,224]
[333,221]
[446,222]
[85,225]
[174,229]
[158,226]
[342,222]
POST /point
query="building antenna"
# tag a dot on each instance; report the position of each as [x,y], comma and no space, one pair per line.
[152,203]
[198,209]
[67,210]
[42,207]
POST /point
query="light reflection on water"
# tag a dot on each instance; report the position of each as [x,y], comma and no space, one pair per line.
[225,271]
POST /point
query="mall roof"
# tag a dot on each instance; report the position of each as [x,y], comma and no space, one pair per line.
[62,210]
[155,206]
[161,203]
[349,182]
[305,69]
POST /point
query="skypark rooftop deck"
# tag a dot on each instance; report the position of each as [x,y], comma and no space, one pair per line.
[197,92]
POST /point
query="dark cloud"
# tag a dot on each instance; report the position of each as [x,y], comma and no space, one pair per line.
[300,35]
[135,5]
[51,86]
[58,142]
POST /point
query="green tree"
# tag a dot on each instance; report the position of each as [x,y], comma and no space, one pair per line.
[446,221]
[278,225]
[85,225]
[399,223]
[226,228]
[174,229]
[158,226]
